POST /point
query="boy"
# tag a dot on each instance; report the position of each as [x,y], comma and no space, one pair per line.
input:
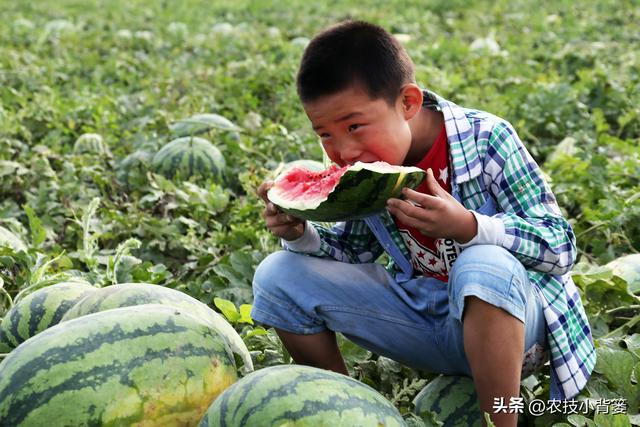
[479,283]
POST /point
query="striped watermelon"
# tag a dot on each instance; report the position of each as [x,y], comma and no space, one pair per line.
[132,170]
[451,400]
[129,294]
[90,143]
[38,311]
[302,396]
[150,365]
[189,156]
[200,123]
[339,194]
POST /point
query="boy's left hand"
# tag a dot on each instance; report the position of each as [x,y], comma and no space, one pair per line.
[438,215]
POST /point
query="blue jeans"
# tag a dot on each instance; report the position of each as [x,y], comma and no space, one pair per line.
[421,328]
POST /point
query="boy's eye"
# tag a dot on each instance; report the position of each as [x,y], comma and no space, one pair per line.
[353,127]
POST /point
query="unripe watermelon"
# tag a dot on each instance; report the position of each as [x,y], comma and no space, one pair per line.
[200,123]
[132,169]
[38,311]
[130,294]
[302,396]
[90,143]
[340,194]
[148,365]
[452,400]
[189,156]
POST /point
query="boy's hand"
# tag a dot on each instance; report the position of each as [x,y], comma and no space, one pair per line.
[279,223]
[438,215]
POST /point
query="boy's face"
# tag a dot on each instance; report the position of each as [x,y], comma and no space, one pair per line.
[354,127]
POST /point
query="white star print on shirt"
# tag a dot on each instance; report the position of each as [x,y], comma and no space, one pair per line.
[444,175]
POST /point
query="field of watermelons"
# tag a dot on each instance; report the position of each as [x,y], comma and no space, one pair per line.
[103,183]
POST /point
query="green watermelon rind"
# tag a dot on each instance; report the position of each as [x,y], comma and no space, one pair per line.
[451,399]
[150,363]
[360,193]
[188,156]
[38,311]
[301,396]
[201,123]
[132,294]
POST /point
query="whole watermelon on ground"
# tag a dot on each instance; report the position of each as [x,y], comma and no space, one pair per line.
[452,400]
[340,194]
[130,294]
[200,123]
[149,364]
[301,396]
[189,156]
[132,170]
[38,311]
[90,143]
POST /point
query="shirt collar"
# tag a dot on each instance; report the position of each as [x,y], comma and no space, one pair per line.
[464,152]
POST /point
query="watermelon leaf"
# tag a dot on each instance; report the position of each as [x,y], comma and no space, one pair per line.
[245,314]
[632,343]
[38,233]
[578,420]
[228,309]
[610,420]
[617,365]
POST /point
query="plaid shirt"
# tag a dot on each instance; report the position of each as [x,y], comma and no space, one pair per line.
[485,147]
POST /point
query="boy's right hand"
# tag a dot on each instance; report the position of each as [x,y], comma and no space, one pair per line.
[279,223]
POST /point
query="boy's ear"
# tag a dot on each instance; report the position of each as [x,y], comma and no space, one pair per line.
[410,99]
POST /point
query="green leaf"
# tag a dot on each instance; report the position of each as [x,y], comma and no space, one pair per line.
[8,168]
[578,420]
[487,419]
[242,262]
[256,332]
[609,420]
[38,233]
[632,342]
[245,314]
[609,293]
[617,365]
[352,353]
[228,309]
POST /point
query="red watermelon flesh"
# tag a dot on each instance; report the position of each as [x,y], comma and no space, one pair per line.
[341,193]
[300,183]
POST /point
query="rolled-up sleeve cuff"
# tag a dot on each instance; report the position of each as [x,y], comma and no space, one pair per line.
[490,231]
[308,242]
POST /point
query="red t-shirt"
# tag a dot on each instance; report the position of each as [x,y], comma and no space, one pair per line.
[429,256]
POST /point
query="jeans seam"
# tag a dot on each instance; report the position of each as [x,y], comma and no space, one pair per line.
[473,291]
[277,322]
[279,303]
[375,315]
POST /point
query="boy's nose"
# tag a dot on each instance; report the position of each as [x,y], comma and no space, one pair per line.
[349,153]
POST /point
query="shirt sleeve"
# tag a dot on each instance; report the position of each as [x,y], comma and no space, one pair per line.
[529,222]
[350,241]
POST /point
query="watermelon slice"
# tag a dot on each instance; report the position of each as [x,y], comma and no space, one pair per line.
[341,193]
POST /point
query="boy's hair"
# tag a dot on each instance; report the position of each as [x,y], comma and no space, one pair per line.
[351,53]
